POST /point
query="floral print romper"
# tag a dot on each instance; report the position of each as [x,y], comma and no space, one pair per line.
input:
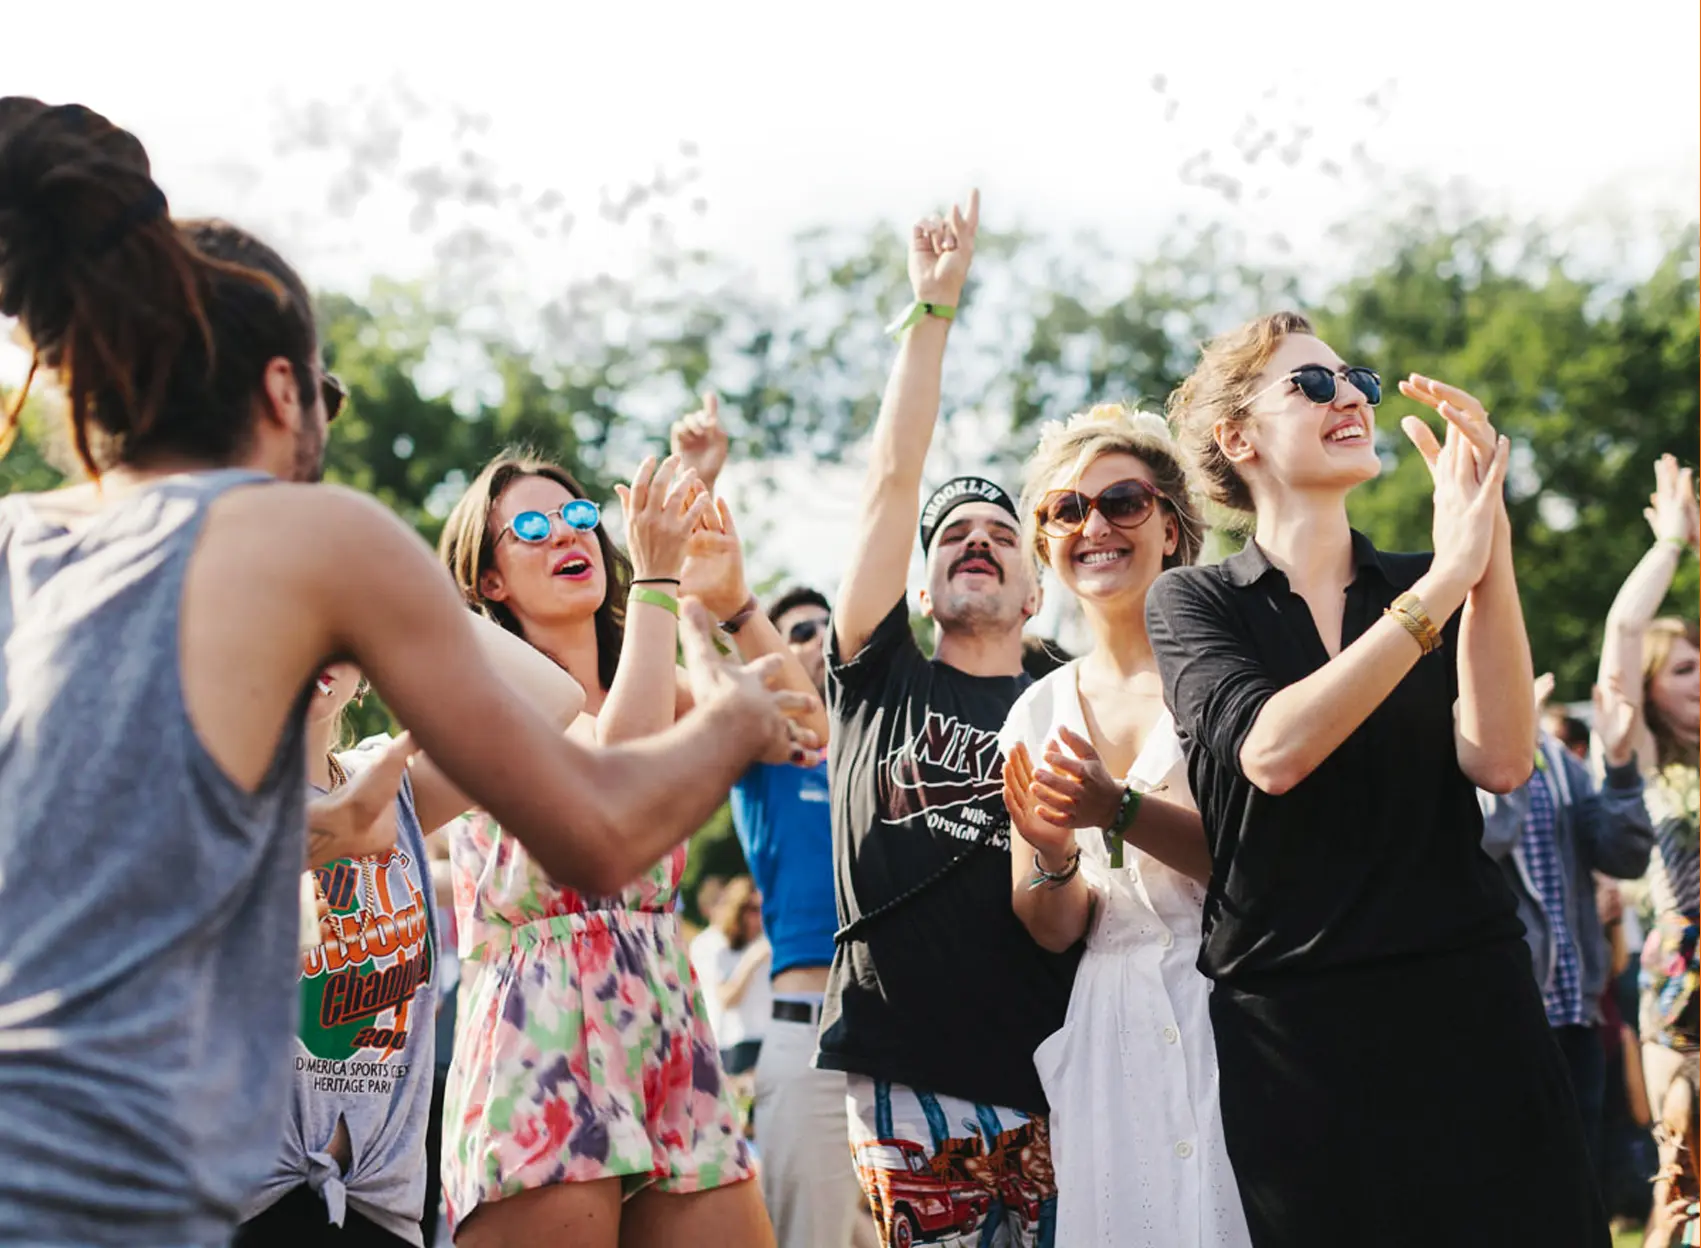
[582,1049]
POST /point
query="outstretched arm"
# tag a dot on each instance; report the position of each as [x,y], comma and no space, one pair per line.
[594,819]
[526,671]
[1672,516]
[939,257]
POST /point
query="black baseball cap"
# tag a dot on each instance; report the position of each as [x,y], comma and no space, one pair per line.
[953,494]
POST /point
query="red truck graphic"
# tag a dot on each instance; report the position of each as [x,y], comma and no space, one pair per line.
[926,1200]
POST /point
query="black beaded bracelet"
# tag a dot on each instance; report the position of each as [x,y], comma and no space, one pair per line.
[656,580]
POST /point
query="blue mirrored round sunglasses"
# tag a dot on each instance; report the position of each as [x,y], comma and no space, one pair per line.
[535,526]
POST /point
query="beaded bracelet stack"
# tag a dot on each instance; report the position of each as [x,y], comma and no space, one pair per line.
[1055,879]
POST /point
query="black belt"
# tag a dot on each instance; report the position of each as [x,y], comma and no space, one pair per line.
[797,1011]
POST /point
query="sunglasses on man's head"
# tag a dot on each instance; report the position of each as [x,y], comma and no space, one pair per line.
[533,527]
[1125,504]
[333,394]
[803,632]
[1317,383]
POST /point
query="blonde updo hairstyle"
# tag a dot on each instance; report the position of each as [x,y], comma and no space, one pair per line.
[1217,391]
[1067,448]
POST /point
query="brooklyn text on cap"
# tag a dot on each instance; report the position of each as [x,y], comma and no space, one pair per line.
[953,494]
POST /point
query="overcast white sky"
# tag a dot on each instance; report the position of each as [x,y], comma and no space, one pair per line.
[850,112]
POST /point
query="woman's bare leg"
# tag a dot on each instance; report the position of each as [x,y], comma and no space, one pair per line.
[586,1215]
[723,1217]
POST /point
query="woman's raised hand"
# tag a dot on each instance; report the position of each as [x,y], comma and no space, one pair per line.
[714,564]
[663,506]
[700,442]
[1671,507]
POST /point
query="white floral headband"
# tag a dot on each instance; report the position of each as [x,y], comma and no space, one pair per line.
[1144,423]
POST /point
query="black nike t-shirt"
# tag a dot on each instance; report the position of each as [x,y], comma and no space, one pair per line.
[944,991]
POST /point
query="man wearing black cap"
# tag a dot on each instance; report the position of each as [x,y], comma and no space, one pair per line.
[937,996]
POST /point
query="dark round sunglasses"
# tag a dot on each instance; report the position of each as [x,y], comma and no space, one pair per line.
[803,632]
[1126,504]
[1317,383]
[533,527]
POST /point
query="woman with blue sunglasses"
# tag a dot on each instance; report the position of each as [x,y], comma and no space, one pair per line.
[586,1100]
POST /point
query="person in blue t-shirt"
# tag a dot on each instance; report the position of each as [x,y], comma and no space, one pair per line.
[784,826]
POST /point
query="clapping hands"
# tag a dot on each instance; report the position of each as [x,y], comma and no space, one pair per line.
[1468,471]
[1073,789]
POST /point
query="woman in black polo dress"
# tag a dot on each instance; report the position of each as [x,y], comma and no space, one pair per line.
[1387,1072]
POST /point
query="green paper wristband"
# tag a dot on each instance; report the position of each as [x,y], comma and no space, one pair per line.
[667,602]
[1126,813]
[913,315]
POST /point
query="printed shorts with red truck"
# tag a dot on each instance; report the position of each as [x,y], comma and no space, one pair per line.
[945,1171]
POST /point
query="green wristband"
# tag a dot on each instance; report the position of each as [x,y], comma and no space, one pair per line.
[914,314]
[1126,813]
[667,602]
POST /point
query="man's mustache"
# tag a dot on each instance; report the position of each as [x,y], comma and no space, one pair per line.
[976,556]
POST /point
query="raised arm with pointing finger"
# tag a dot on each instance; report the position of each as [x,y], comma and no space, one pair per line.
[939,256]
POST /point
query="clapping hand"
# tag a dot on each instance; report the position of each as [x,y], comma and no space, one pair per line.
[663,506]
[1045,831]
[1469,507]
[1073,789]
[1075,784]
[1464,413]
[1460,409]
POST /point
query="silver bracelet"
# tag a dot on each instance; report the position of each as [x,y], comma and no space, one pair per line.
[1054,878]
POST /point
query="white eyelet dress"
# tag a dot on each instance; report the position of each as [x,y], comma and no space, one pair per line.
[1136,1133]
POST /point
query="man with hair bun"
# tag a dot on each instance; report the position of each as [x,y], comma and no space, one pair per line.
[161,629]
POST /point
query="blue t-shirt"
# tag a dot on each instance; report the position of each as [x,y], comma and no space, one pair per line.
[784,823]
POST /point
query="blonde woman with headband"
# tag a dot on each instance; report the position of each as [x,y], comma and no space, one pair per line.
[1111,850]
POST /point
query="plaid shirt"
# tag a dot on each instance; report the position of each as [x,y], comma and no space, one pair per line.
[1563,995]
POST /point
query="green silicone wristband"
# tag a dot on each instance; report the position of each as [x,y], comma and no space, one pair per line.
[667,602]
[913,315]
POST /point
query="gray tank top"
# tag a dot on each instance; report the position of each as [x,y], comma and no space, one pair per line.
[148,904]
[365,1051]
